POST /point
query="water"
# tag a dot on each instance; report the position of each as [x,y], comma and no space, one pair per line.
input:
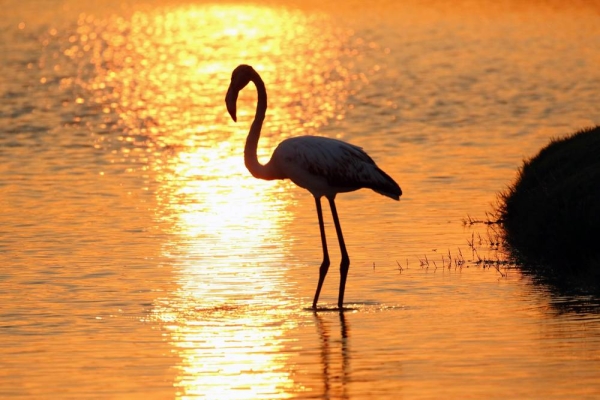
[141,260]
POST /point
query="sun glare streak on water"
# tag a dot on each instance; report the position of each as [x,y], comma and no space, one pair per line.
[143,261]
[232,285]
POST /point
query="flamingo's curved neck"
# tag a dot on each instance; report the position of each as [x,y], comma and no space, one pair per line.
[250,151]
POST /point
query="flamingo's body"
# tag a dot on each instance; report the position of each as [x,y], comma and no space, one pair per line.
[323,166]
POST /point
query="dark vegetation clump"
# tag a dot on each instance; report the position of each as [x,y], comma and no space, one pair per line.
[551,215]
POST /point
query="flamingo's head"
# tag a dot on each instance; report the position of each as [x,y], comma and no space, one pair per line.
[240,77]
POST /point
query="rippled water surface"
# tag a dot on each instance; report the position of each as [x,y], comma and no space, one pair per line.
[141,260]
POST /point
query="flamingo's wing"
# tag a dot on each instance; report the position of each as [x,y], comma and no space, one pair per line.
[343,166]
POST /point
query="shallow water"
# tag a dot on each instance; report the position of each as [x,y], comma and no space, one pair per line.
[141,260]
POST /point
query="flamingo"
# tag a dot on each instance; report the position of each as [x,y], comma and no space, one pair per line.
[323,166]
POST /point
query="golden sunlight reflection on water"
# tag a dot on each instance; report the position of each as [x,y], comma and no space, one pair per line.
[224,319]
[145,262]
[232,240]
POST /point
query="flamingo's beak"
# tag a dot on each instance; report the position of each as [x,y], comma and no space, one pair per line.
[231,100]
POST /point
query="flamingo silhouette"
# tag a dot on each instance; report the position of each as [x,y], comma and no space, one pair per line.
[323,166]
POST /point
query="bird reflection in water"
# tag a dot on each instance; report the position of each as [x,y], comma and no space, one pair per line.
[323,166]
[328,360]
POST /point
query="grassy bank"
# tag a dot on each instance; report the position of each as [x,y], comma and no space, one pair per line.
[551,214]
